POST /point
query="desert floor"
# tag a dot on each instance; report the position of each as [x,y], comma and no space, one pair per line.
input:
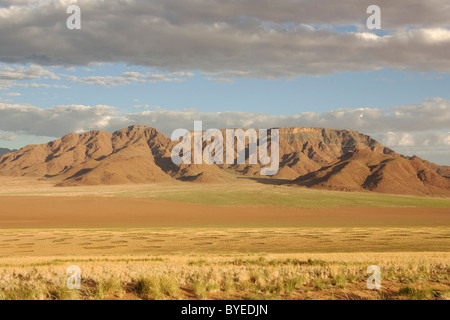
[243,239]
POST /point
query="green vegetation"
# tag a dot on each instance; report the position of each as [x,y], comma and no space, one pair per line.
[300,197]
[242,192]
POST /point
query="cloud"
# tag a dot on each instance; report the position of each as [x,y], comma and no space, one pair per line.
[252,38]
[432,114]
[146,106]
[10,84]
[17,76]
[181,74]
[422,124]
[130,77]
[24,73]
[407,139]
[13,94]
[219,79]
[106,81]
[56,121]
[7,137]
[39,85]
[422,129]
[302,12]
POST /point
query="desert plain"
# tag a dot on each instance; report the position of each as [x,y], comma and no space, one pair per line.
[242,239]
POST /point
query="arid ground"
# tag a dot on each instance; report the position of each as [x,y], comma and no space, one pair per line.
[244,240]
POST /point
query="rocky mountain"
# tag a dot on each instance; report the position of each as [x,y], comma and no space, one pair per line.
[441,170]
[312,157]
[5,150]
[364,169]
[129,155]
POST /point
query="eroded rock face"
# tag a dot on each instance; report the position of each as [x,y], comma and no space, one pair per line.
[365,169]
[313,157]
[95,157]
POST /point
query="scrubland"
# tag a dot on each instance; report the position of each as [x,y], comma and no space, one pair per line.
[232,241]
[273,276]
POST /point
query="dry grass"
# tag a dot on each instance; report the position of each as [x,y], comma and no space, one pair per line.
[263,242]
[34,242]
[288,276]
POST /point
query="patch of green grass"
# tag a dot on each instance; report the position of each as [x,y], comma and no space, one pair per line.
[291,284]
[146,286]
[319,283]
[228,285]
[340,280]
[169,285]
[199,288]
[298,197]
[109,286]
[419,294]
[23,292]
[63,293]
[157,288]
[201,262]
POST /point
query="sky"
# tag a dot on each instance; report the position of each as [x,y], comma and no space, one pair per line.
[240,63]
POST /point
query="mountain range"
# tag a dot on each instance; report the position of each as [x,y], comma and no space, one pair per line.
[4,151]
[344,160]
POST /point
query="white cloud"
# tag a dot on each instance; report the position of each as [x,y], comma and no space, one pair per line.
[407,139]
[6,136]
[220,79]
[15,75]
[249,38]
[130,77]
[415,129]
[10,84]
[181,74]
[56,121]
[437,36]
[13,94]
[402,125]
[23,73]
[146,106]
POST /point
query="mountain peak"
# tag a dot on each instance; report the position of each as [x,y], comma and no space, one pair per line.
[5,151]
[138,127]
[334,159]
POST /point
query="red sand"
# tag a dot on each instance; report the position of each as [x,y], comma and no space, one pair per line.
[99,212]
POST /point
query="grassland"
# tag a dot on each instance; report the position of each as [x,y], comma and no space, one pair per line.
[288,276]
[297,197]
[163,241]
[242,240]
[274,263]
[235,193]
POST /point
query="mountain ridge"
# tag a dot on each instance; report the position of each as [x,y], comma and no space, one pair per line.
[333,159]
[6,150]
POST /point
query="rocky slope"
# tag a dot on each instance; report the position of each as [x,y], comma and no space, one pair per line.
[364,169]
[313,157]
[129,155]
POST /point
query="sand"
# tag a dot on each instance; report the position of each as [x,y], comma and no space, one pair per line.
[103,212]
